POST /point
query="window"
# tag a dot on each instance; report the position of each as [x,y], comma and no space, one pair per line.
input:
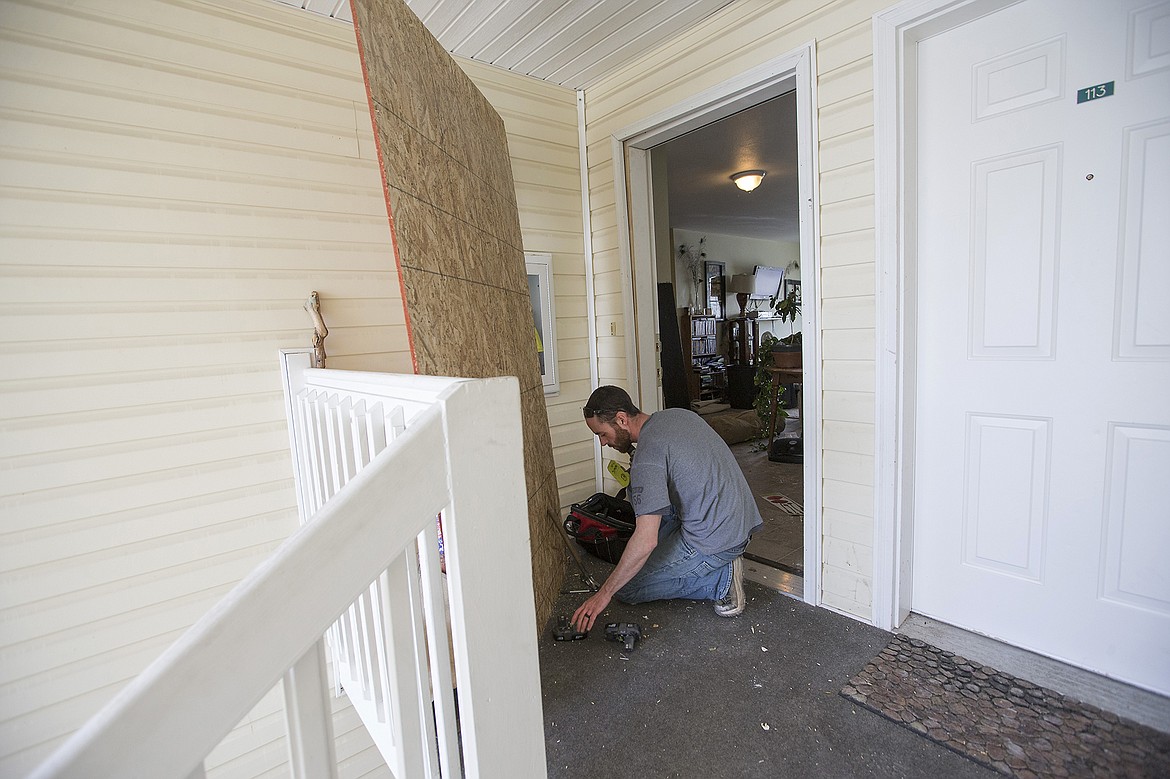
[543,317]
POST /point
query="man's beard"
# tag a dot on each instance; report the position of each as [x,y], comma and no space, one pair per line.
[622,441]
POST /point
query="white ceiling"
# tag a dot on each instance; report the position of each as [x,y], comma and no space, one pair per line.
[699,166]
[574,43]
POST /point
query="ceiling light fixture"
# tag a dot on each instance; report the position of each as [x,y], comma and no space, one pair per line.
[747,180]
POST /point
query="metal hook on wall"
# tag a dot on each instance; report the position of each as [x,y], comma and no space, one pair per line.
[313,306]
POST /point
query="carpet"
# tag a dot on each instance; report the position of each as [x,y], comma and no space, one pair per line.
[1000,721]
[785,504]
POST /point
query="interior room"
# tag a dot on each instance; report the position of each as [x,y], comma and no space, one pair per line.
[733,258]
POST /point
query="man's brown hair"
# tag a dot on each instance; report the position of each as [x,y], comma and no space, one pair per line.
[607,401]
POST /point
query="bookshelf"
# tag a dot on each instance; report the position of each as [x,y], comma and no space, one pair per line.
[707,377]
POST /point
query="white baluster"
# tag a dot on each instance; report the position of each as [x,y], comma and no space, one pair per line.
[343,443]
[442,687]
[309,715]
[331,449]
[381,685]
[361,444]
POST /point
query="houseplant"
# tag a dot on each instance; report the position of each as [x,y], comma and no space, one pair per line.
[787,309]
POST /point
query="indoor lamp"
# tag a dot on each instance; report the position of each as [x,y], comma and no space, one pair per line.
[742,284]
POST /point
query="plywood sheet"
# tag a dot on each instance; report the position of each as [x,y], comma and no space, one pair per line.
[452,205]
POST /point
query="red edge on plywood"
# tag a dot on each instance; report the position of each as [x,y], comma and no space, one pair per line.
[385,187]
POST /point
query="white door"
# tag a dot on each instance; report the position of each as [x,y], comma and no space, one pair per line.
[1042,294]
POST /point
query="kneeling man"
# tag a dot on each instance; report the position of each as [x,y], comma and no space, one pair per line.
[695,512]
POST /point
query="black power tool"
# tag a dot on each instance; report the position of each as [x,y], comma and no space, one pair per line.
[564,631]
[626,633]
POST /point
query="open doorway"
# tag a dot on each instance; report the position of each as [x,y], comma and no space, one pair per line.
[734,262]
[735,249]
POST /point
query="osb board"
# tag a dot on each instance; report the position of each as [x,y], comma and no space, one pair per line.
[452,206]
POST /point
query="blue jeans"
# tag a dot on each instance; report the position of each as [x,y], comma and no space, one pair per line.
[675,569]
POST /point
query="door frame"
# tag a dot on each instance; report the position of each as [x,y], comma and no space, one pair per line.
[896,31]
[633,189]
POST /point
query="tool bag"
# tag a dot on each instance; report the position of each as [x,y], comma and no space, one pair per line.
[602,525]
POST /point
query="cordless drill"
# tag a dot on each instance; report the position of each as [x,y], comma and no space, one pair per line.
[626,633]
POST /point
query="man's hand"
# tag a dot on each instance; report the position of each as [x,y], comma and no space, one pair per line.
[590,610]
[638,548]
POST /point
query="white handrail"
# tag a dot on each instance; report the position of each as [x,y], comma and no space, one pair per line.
[452,458]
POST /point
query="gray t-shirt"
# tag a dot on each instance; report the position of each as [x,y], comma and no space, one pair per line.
[681,462]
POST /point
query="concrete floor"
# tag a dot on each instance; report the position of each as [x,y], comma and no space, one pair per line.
[704,696]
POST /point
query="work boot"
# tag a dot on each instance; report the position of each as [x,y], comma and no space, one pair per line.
[732,604]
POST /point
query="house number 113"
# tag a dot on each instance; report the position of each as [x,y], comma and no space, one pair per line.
[1097,92]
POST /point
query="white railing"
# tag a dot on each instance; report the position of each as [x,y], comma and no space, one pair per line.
[378,457]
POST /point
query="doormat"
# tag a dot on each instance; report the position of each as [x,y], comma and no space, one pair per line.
[1005,723]
[785,504]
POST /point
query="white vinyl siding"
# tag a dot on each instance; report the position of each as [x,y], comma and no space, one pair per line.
[175,179]
[540,120]
[723,46]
